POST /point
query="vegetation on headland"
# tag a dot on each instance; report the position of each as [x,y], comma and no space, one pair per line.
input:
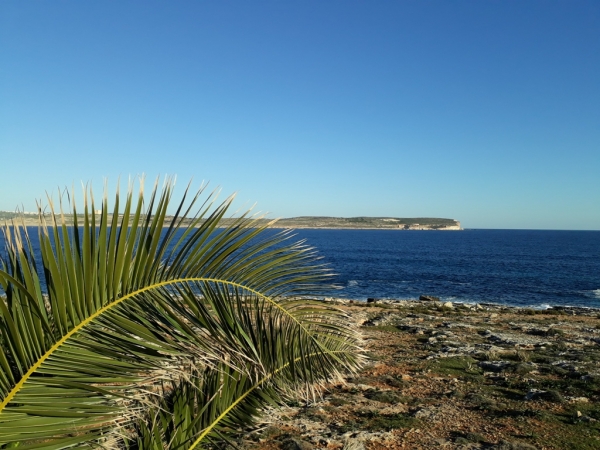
[369,222]
[156,332]
[425,223]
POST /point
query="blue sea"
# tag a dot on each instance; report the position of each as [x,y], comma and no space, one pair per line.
[514,267]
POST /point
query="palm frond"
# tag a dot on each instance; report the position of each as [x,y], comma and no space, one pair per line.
[131,302]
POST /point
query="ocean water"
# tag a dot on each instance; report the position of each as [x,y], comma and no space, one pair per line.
[515,267]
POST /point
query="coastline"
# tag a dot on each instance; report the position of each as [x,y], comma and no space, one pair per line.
[364,228]
[475,306]
[305,222]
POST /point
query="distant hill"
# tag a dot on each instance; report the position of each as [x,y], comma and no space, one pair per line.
[8,215]
[418,223]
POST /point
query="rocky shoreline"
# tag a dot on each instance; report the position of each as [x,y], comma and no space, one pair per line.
[455,376]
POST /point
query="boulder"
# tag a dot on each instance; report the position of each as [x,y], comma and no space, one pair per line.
[429,298]
[494,366]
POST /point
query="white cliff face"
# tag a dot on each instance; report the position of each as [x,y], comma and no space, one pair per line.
[453,227]
[417,226]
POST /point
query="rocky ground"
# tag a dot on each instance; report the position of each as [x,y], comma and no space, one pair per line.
[456,377]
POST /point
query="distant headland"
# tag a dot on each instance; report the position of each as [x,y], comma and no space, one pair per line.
[387,223]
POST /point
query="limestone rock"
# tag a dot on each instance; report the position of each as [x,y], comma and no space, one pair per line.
[494,366]
[354,444]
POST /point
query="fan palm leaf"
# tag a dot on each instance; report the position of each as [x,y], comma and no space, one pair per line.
[115,305]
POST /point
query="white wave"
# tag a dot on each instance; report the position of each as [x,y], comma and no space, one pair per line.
[595,293]
[352,283]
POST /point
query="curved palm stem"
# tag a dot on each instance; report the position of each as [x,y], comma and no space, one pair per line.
[106,308]
[241,398]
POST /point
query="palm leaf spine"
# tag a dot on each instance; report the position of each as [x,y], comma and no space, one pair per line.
[106,308]
[246,394]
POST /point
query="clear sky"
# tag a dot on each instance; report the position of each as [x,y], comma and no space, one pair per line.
[483,111]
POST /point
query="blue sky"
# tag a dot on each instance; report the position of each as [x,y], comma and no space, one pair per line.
[487,112]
